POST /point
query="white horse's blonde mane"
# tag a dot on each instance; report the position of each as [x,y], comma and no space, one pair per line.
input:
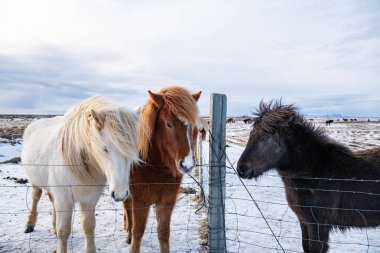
[82,145]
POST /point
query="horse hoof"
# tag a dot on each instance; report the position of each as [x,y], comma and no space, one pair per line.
[128,240]
[29,229]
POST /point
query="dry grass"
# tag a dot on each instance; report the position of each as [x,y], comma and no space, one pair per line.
[203,232]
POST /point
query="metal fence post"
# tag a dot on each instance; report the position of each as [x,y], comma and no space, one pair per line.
[200,166]
[217,174]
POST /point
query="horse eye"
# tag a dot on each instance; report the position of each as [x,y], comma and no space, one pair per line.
[105,150]
[169,125]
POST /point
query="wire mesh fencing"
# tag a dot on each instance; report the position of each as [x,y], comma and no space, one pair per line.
[110,235]
[257,216]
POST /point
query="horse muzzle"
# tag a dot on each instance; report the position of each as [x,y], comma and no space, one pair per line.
[186,166]
[117,198]
[245,171]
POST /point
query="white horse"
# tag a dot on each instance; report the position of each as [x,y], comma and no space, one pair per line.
[72,156]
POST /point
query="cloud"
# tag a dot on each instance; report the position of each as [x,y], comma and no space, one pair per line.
[303,51]
[51,80]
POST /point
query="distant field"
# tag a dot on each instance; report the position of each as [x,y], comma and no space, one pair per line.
[13,125]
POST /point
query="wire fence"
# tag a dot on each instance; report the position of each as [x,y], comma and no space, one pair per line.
[110,235]
[257,216]
[246,223]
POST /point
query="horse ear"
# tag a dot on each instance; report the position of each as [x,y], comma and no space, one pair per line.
[197,95]
[99,119]
[157,98]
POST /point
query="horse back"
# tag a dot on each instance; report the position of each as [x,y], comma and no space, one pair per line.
[371,155]
[41,146]
[42,126]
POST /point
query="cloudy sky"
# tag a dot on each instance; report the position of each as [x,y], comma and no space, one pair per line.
[324,56]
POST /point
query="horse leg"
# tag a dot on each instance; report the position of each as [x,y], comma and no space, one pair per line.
[63,226]
[32,217]
[54,217]
[128,219]
[318,238]
[140,217]
[163,216]
[88,223]
[305,237]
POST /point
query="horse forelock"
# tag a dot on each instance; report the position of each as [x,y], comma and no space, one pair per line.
[177,101]
[82,144]
[272,115]
[181,103]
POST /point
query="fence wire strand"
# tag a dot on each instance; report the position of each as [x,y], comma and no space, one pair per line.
[238,228]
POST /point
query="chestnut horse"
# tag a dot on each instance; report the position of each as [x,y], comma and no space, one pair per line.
[167,135]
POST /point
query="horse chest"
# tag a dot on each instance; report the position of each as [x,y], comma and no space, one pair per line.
[300,196]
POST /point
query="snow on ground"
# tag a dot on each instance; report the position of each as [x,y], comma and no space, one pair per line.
[110,234]
[246,230]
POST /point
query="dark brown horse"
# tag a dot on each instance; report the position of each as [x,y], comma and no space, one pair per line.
[168,132]
[327,185]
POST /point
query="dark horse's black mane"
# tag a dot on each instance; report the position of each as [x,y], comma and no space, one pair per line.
[274,115]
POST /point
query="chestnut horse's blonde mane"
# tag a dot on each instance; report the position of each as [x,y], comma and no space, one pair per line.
[177,100]
[81,142]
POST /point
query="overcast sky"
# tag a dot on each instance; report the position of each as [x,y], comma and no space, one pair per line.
[324,56]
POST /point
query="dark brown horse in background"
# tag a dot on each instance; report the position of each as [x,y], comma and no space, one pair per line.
[167,135]
[327,185]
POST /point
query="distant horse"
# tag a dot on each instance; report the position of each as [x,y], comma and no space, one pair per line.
[247,121]
[168,132]
[230,120]
[322,178]
[71,157]
[345,120]
[328,122]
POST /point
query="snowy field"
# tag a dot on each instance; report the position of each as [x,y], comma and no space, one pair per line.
[246,230]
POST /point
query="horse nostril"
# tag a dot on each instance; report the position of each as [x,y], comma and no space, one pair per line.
[113,194]
[181,163]
[241,171]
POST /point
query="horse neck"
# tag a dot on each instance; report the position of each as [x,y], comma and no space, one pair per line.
[320,157]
